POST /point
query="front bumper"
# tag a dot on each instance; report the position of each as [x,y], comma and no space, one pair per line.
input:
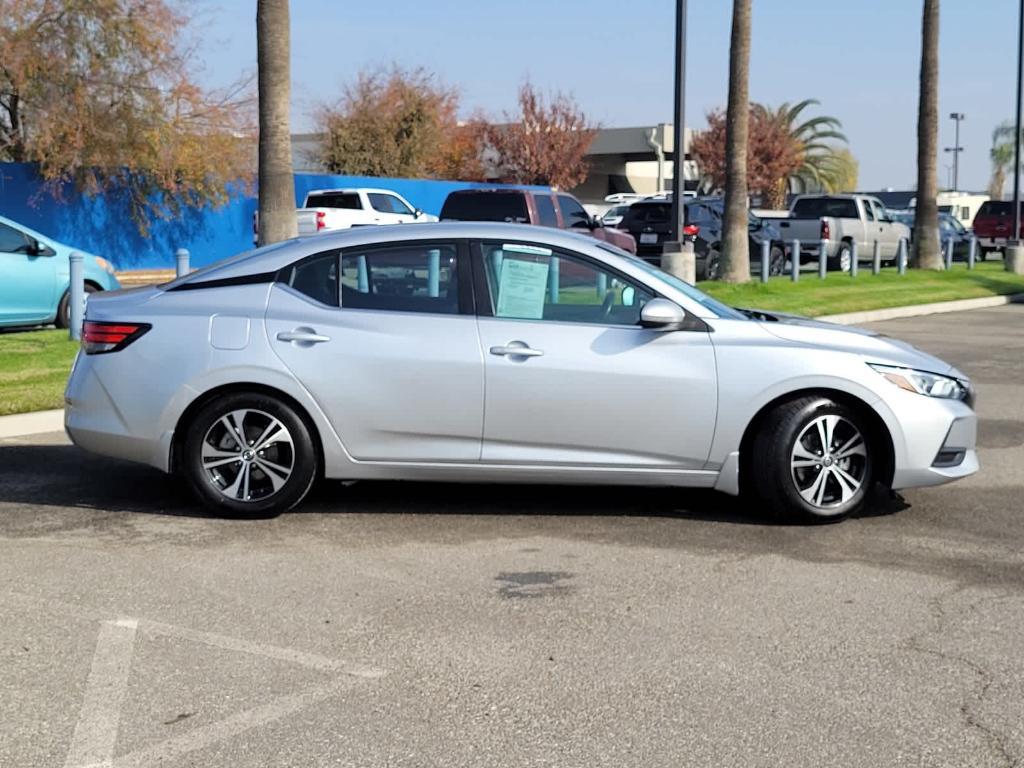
[939,442]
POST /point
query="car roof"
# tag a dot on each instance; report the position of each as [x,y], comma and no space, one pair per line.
[341,190]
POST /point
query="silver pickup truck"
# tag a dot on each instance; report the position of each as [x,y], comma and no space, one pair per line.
[842,220]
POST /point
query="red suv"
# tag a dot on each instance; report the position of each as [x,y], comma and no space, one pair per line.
[547,209]
[993,225]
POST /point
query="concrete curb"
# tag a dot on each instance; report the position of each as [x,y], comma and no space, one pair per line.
[22,424]
[919,310]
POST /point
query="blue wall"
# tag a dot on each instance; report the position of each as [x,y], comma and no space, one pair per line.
[102,225]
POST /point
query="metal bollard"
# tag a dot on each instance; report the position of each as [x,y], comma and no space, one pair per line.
[901,257]
[766,253]
[181,257]
[949,253]
[822,258]
[876,258]
[795,264]
[853,259]
[76,299]
[972,252]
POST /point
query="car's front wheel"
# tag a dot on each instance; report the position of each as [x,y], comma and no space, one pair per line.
[249,455]
[813,460]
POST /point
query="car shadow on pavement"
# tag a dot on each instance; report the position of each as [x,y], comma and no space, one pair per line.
[61,475]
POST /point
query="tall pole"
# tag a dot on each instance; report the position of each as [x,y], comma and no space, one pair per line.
[956,152]
[1020,119]
[679,124]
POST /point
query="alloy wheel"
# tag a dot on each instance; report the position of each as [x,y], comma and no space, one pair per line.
[829,462]
[247,455]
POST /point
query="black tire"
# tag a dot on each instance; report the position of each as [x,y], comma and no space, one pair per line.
[842,260]
[776,261]
[63,318]
[712,265]
[982,253]
[210,485]
[777,483]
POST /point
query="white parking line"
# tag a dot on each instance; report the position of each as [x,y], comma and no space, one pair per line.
[92,745]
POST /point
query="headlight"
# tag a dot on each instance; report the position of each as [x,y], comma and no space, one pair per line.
[923,382]
[105,265]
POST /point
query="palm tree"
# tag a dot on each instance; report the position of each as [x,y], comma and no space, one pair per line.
[926,221]
[277,185]
[1002,158]
[804,158]
[735,247]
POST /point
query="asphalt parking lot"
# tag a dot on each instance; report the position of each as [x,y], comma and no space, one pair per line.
[423,625]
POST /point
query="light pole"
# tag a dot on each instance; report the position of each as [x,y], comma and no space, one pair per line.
[956,149]
[678,123]
[677,254]
[1016,134]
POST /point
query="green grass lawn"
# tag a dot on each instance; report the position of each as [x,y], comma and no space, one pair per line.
[841,293]
[34,366]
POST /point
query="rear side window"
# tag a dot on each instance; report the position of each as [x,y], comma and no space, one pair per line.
[315,277]
[816,207]
[486,206]
[546,215]
[347,200]
[412,277]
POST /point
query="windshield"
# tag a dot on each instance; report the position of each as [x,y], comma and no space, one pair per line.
[720,309]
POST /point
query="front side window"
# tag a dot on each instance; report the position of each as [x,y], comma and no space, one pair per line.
[528,282]
[12,241]
[573,214]
[868,213]
[315,277]
[412,277]
[387,203]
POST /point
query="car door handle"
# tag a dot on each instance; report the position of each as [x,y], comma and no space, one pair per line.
[303,336]
[516,349]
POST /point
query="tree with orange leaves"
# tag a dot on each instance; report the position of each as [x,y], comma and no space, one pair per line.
[546,143]
[99,94]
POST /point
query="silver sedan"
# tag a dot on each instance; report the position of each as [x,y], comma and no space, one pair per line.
[500,353]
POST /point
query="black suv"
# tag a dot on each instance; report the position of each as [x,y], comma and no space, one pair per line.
[650,222]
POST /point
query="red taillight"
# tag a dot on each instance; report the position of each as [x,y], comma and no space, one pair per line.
[826,232]
[98,337]
[692,230]
[320,223]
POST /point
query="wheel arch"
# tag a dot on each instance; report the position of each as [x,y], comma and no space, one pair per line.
[880,434]
[181,426]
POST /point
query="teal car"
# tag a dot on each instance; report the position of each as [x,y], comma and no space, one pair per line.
[34,277]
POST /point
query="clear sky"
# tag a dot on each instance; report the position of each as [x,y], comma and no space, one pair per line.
[860,59]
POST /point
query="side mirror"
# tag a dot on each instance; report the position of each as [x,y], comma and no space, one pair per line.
[417,212]
[662,315]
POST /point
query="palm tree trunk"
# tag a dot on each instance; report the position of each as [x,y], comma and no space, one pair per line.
[276,182]
[926,220]
[735,251]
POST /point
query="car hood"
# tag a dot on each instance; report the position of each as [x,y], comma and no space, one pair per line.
[873,346]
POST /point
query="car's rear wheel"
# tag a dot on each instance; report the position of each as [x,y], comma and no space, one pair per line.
[842,260]
[63,319]
[777,261]
[814,461]
[249,455]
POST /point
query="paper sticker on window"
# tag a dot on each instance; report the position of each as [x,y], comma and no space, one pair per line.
[522,288]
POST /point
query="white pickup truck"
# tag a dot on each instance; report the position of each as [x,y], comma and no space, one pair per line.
[326,210]
[842,220]
[331,209]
